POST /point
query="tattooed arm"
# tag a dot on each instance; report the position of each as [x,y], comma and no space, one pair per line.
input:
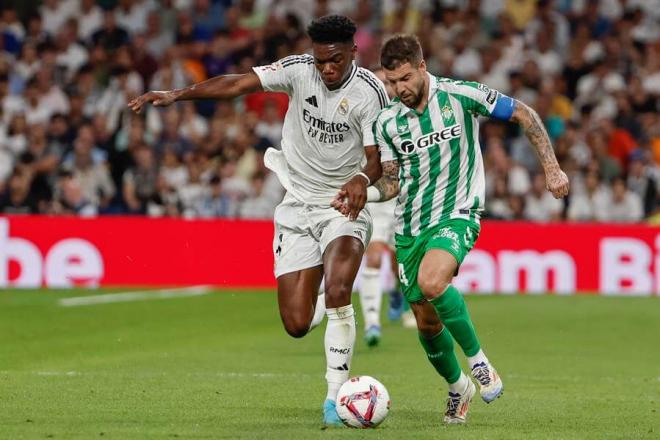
[388,184]
[529,120]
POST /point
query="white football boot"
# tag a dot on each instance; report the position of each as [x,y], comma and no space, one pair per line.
[490,384]
[459,404]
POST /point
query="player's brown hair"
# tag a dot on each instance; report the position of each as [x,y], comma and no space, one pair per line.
[401,49]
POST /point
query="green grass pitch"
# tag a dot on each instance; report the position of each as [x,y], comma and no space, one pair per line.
[221,366]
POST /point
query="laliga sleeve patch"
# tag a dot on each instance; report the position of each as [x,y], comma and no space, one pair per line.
[491,97]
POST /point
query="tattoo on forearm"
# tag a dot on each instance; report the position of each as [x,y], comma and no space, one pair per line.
[536,133]
[388,184]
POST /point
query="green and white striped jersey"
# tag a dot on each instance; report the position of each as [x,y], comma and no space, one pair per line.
[441,172]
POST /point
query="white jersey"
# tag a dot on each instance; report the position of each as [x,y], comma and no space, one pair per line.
[325,131]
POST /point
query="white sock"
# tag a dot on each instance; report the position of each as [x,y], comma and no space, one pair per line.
[339,342]
[371,295]
[319,311]
[460,385]
[477,359]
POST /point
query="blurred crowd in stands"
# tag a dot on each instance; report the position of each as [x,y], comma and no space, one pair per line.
[69,144]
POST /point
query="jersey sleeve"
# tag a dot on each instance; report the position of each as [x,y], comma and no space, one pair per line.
[383,140]
[480,99]
[278,77]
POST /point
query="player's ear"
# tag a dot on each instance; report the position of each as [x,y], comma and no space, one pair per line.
[422,66]
[354,50]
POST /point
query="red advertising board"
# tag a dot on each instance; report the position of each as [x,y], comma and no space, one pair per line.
[131,251]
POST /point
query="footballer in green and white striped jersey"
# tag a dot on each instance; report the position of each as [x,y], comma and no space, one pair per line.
[441,172]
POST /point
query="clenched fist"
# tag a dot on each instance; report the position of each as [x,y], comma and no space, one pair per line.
[556,181]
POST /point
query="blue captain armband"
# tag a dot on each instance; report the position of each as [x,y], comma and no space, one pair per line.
[503,108]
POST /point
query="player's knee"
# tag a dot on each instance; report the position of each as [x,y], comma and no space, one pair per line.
[428,329]
[374,255]
[337,294]
[432,287]
[374,260]
[296,327]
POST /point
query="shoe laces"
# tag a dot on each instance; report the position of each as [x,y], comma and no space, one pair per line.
[481,373]
[453,401]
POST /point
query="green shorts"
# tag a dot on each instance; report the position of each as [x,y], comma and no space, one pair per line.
[454,236]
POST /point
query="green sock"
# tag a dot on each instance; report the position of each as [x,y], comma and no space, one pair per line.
[455,316]
[440,351]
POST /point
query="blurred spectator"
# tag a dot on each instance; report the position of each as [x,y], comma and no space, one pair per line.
[71,199]
[11,27]
[111,35]
[497,206]
[608,167]
[622,205]
[15,141]
[270,125]
[170,134]
[132,14]
[175,175]
[501,164]
[90,19]
[258,205]
[71,55]
[540,205]
[93,176]
[139,181]
[157,39]
[643,182]
[28,63]
[55,13]
[193,191]
[517,207]
[216,203]
[591,203]
[234,186]
[16,198]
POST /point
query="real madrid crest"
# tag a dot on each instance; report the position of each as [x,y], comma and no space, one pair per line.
[343,106]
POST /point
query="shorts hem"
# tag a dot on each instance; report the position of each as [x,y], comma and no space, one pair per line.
[364,242]
[279,273]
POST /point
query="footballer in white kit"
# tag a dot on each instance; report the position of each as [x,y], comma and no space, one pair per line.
[323,140]
[328,147]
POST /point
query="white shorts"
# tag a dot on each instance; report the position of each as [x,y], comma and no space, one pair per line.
[303,232]
[384,222]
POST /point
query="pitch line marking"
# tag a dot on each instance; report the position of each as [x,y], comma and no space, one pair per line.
[139,295]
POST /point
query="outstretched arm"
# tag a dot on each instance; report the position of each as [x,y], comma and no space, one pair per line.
[529,120]
[219,87]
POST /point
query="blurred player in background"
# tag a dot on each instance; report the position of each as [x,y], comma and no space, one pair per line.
[429,146]
[328,145]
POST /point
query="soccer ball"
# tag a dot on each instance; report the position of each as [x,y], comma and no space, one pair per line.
[362,402]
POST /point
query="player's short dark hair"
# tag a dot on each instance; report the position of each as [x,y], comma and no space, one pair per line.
[332,29]
[399,50]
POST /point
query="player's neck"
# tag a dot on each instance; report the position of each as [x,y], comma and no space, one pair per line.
[425,96]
